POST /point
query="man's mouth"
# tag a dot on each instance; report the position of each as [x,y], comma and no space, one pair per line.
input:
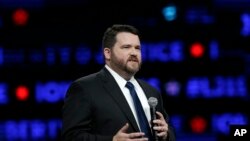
[133,60]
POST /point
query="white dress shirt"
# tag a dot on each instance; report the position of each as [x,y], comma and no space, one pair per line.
[122,82]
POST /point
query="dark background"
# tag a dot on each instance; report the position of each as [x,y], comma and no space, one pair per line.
[72,24]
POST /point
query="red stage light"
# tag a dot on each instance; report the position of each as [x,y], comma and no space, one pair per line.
[20,17]
[198,124]
[22,93]
[197,50]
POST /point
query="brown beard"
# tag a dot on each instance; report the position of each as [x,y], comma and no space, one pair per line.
[128,70]
[123,66]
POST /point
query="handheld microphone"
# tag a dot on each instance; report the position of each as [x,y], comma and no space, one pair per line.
[152,101]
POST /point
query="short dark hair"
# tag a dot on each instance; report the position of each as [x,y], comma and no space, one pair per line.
[109,37]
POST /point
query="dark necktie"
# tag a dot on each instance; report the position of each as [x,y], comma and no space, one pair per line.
[144,125]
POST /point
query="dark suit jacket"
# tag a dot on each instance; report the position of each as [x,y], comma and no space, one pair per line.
[95,109]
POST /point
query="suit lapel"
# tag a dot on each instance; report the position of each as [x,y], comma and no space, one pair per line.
[148,92]
[145,89]
[113,89]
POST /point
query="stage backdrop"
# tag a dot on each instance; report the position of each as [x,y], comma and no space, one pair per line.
[196,53]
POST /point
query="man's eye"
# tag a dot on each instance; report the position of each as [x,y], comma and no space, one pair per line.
[125,46]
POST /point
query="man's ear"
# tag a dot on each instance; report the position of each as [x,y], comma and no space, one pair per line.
[107,53]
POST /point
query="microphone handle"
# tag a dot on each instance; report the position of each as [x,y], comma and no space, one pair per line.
[153,113]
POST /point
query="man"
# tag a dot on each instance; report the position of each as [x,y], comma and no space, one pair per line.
[99,107]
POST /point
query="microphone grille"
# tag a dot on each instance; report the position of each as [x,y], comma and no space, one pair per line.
[152,101]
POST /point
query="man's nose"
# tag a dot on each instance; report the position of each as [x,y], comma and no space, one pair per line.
[134,51]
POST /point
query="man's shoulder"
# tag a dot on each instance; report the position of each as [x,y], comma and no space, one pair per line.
[87,78]
[146,84]
[93,76]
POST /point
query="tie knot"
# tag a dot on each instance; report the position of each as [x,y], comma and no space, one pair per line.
[129,85]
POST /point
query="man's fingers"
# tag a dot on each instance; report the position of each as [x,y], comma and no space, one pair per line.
[160,115]
[124,128]
[136,135]
[161,134]
[140,139]
[160,128]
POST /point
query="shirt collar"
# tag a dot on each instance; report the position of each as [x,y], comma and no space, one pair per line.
[120,80]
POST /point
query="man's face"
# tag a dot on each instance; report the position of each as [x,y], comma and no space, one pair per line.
[125,56]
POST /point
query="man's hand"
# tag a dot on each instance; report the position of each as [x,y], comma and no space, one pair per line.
[121,135]
[161,126]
